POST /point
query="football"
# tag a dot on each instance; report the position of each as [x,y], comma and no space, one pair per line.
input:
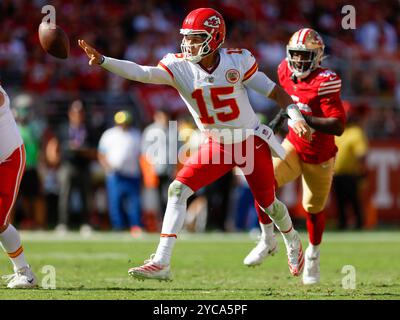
[54,40]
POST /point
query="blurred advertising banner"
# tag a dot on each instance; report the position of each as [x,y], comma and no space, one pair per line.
[379,191]
[383,185]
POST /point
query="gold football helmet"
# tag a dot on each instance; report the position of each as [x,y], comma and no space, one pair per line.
[304,52]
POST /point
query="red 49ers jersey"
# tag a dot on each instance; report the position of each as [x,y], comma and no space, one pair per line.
[319,95]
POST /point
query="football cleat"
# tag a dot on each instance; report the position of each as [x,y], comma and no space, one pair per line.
[311,274]
[151,270]
[23,278]
[263,249]
[295,255]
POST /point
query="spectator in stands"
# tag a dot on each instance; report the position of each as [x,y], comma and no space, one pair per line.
[163,165]
[378,36]
[118,153]
[350,167]
[51,164]
[76,152]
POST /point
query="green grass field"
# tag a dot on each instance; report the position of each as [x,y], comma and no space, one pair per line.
[206,266]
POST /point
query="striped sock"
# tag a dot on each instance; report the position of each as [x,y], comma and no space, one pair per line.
[11,243]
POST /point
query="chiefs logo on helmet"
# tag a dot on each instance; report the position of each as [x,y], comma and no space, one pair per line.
[212,22]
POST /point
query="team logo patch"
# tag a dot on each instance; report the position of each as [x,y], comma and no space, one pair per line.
[232,76]
[212,22]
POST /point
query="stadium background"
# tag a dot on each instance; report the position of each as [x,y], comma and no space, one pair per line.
[366,58]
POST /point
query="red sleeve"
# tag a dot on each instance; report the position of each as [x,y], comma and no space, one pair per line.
[281,72]
[329,93]
[332,107]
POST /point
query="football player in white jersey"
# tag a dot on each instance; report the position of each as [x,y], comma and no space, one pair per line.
[12,166]
[212,81]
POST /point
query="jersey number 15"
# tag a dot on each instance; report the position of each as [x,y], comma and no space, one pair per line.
[218,103]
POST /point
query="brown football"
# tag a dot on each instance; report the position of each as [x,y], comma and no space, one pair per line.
[54,40]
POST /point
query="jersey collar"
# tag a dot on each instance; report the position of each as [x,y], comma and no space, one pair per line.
[214,67]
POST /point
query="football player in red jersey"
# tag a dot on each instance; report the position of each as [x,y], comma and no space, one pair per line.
[316,90]
[12,166]
[212,81]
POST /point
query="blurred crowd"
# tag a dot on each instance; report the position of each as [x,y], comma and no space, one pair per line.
[367,58]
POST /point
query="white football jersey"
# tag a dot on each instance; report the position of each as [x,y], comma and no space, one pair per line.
[10,138]
[217,99]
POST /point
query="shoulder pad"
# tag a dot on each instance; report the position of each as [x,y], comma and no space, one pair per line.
[328,82]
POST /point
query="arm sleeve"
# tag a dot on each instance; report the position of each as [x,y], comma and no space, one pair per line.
[330,102]
[332,107]
[133,71]
[261,83]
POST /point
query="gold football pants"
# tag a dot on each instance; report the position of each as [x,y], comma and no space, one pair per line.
[316,178]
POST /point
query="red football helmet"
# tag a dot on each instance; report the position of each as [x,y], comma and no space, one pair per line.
[205,22]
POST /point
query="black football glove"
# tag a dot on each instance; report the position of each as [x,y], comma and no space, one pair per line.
[277,122]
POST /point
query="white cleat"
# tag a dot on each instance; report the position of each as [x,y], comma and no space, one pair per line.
[263,249]
[295,255]
[151,270]
[311,274]
[23,278]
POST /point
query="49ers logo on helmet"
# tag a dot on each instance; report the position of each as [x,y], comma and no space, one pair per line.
[212,22]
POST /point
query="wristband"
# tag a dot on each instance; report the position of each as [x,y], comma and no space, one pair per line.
[294,112]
